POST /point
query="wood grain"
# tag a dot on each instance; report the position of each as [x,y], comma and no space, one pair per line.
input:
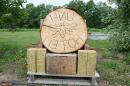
[86,62]
[61,64]
[31,60]
[41,53]
[63,31]
[36,60]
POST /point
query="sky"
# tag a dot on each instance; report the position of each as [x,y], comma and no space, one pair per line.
[56,2]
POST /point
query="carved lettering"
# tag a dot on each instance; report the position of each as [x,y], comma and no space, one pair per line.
[61,16]
[66,31]
[53,44]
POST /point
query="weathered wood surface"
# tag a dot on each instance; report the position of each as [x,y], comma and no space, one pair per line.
[61,75]
[61,64]
[36,60]
[86,62]
[62,82]
[37,82]
[63,30]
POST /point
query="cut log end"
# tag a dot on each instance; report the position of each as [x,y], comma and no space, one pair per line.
[63,31]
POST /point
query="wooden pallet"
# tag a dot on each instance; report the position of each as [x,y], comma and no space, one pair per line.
[67,80]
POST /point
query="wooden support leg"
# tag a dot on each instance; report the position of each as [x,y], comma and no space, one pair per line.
[32,78]
[93,81]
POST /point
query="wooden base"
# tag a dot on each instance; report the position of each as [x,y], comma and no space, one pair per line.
[54,79]
[61,63]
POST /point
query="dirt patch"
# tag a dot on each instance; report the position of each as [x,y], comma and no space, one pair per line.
[103,83]
[7,77]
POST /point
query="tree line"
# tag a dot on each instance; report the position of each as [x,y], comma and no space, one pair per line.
[14,15]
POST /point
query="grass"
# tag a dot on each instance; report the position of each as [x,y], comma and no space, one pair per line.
[97,30]
[13,47]
[115,72]
[99,43]
[19,39]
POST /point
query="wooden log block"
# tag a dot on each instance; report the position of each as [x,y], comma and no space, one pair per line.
[63,31]
[86,62]
[36,60]
[61,64]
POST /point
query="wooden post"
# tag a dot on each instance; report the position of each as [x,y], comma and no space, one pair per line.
[32,78]
[86,62]
[41,23]
[36,60]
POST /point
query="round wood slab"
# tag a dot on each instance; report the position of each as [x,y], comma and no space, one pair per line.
[63,31]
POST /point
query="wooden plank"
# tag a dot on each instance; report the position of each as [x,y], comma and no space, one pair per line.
[63,31]
[62,82]
[61,64]
[91,65]
[86,62]
[41,53]
[31,65]
[96,75]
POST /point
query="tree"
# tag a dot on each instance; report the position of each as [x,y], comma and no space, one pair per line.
[106,14]
[120,39]
[92,15]
[96,16]
[34,14]
[44,10]
[78,6]
[10,12]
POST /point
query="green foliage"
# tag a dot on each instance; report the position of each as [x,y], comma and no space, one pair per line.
[106,14]
[34,14]
[11,12]
[128,59]
[120,38]
[92,14]
[78,6]
[96,16]
[15,15]
[120,41]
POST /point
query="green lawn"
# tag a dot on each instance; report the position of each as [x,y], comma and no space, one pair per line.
[13,47]
[19,39]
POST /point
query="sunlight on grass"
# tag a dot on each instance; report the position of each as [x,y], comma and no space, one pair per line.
[19,39]
[98,43]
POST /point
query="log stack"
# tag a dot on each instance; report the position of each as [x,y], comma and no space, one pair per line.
[63,35]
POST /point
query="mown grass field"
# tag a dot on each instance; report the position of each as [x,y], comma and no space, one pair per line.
[13,47]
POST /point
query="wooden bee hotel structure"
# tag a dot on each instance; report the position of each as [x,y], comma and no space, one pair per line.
[63,58]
